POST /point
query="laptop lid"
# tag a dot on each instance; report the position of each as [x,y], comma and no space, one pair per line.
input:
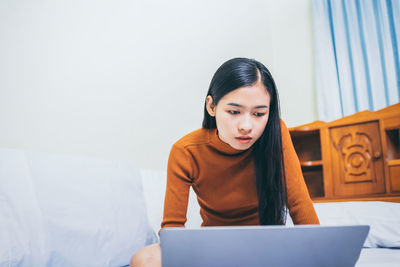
[305,245]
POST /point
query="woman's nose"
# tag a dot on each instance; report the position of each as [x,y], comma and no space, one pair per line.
[245,124]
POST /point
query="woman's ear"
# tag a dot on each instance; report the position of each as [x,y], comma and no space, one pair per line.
[210,106]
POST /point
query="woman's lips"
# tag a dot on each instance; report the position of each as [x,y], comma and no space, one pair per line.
[244,139]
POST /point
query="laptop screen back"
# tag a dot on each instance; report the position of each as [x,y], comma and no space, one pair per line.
[262,246]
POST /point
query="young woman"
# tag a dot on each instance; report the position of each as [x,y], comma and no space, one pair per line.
[241,163]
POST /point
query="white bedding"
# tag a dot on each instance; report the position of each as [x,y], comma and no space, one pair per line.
[69,211]
[379,257]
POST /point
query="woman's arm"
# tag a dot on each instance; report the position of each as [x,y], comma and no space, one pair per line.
[299,202]
[179,171]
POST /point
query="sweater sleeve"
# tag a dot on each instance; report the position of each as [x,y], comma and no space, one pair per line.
[177,190]
[299,202]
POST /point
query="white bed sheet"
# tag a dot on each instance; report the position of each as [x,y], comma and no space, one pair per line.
[379,257]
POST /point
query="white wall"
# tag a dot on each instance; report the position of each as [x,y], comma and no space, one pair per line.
[293,59]
[125,79]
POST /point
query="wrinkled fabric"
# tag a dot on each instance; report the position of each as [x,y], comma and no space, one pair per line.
[59,210]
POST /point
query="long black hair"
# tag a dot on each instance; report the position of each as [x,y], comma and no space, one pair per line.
[267,150]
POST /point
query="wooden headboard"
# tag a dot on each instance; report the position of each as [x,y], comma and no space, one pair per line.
[355,158]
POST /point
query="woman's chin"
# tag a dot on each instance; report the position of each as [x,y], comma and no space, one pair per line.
[240,146]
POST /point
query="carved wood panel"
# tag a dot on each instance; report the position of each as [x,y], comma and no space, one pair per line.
[357,159]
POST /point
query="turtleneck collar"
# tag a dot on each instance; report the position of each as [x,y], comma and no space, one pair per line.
[221,146]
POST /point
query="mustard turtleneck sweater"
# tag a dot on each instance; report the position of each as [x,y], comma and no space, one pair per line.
[223,179]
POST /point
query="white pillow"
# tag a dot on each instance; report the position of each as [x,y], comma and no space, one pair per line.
[382,217]
[154,182]
[58,210]
[154,185]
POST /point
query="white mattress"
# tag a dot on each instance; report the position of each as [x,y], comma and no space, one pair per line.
[379,257]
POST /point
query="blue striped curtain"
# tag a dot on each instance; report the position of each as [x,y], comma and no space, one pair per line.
[357,46]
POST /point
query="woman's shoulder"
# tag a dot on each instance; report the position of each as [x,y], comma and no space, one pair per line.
[197,137]
[283,124]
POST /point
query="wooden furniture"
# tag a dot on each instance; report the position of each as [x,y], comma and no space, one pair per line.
[353,158]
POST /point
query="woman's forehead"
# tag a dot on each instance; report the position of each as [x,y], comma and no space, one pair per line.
[249,96]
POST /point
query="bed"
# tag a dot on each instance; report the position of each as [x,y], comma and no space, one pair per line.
[66,210]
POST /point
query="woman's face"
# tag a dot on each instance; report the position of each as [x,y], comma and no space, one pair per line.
[241,115]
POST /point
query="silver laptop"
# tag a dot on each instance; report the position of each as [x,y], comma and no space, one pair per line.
[255,246]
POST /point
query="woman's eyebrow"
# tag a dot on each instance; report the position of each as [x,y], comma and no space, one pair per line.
[240,106]
[234,104]
[262,106]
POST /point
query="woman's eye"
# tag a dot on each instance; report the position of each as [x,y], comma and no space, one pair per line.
[233,112]
[258,114]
